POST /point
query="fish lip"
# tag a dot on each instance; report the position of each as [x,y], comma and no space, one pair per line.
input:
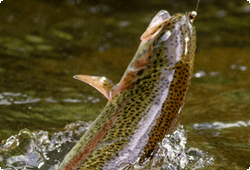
[155,25]
[159,18]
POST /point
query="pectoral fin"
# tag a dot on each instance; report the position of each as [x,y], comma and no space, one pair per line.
[102,84]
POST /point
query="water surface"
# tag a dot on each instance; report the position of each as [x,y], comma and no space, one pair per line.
[44,111]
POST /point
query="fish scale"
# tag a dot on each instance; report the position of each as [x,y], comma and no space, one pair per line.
[144,106]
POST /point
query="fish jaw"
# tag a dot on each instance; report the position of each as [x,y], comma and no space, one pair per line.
[155,25]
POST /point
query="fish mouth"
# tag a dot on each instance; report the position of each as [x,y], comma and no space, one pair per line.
[155,25]
[160,17]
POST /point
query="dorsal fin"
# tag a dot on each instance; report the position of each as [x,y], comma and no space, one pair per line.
[102,84]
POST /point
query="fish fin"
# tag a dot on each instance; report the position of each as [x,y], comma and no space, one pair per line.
[102,84]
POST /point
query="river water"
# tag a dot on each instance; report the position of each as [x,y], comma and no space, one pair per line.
[44,111]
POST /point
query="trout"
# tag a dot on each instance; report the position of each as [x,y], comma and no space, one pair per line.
[144,106]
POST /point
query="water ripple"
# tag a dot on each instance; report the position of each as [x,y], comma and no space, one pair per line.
[221,125]
[10,98]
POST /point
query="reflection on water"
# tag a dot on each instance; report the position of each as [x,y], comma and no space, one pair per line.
[221,125]
[41,150]
[9,98]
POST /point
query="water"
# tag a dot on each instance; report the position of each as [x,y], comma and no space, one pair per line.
[44,111]
[40,150]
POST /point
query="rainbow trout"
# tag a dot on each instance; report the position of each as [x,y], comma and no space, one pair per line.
[144,106]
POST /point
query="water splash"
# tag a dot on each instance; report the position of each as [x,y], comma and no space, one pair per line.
[174,155]
[39,150]
[44,151]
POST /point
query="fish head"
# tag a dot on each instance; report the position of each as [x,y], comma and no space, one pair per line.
[167,41]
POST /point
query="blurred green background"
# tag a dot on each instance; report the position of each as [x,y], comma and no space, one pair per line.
[43,43]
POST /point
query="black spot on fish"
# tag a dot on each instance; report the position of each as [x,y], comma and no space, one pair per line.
[140,72]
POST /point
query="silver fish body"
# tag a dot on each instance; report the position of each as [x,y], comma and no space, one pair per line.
[144,106]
